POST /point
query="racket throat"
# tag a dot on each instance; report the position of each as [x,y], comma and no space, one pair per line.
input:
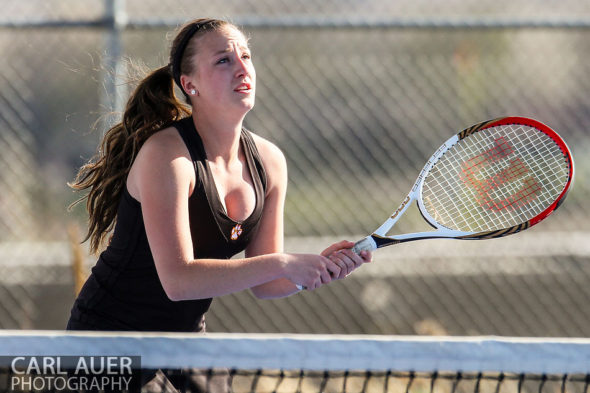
[384,241]
[373,242]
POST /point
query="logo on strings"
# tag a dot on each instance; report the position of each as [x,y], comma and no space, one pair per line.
[485,188]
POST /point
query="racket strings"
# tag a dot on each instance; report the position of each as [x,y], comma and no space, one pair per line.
[495,179]
[516,194]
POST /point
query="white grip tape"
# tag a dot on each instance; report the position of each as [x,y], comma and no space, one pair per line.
[367,244]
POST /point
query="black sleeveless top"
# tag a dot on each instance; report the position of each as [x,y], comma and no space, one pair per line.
[124,291]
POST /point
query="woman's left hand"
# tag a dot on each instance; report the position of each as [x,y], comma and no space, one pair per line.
[342,255]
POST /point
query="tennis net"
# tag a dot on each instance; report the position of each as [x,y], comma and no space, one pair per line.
[45,361]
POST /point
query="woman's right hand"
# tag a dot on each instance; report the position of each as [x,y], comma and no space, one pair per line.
[309,270]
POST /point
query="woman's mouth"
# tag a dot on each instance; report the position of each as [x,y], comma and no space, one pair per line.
[243,88]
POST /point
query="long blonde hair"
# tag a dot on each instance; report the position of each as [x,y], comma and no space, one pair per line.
[152,107]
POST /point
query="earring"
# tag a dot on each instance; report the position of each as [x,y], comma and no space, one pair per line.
[193,92]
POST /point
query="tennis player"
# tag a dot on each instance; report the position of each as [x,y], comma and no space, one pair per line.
[186,187]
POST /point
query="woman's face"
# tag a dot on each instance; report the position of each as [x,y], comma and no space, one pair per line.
[224,74]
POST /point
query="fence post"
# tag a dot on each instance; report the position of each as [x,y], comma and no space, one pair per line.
[114,90]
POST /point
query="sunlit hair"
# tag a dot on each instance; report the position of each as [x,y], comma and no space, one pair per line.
[152,107]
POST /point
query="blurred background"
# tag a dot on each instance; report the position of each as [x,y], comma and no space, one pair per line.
[358,94]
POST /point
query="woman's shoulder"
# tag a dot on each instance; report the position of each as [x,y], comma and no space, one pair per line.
[158,158]
[163,146]
[270,153]
[273,160]
[164,140]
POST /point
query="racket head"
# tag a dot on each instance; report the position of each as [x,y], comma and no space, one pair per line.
[495,178]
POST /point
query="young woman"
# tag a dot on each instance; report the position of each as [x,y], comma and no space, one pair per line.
[185,190]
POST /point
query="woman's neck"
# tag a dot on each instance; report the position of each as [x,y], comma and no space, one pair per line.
[221,137]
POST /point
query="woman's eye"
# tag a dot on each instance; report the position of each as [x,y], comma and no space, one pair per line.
[222,60]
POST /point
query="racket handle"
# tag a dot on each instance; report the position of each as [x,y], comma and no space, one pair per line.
[367,244]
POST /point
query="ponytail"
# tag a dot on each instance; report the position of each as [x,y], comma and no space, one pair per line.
[152,106]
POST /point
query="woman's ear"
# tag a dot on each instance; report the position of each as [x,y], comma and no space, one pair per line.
[188,86]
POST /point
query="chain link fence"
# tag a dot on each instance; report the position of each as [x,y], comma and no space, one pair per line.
[358,94]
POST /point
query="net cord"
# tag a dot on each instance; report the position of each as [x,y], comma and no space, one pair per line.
[314,352]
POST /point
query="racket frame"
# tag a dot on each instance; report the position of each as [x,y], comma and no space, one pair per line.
[380,239]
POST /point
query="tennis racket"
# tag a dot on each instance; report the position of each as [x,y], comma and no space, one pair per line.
[490,180]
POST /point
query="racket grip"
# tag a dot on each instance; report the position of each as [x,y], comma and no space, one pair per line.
[367,244]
